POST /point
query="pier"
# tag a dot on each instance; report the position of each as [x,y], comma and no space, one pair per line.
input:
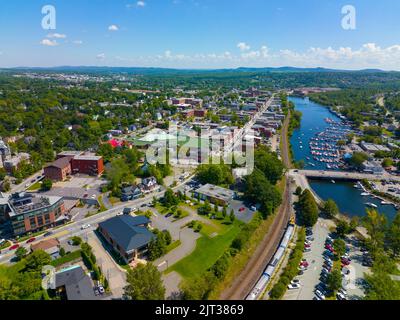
[345,175]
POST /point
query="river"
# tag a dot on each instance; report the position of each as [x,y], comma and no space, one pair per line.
[348,198]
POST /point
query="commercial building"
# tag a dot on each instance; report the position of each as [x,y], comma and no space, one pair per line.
[215,194]
[127,235]
[73,162]
[29,213]
[59,170]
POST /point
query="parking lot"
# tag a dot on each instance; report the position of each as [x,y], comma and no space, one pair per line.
[310,278]
[353,283]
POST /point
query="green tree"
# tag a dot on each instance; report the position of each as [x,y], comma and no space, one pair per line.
[37,259]
[334,280]
[393,235]
[358,159]
[330,208]
[47,184]
[21,253]
[381,287]
[144,283]
[198,288]
[307,209]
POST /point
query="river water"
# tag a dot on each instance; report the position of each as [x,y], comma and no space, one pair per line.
[348,198]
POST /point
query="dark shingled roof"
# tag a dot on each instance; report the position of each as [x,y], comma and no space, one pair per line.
[77,284]
[128,231]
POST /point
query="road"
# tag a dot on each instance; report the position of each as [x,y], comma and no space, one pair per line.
[74,229]
[249,276]
[338,175]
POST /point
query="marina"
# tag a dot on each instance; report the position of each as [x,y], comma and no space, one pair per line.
[318,122]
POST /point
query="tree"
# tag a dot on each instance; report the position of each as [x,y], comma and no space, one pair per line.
[219,174]
[76,241]
[62,252]
[375,224]
[36,260]
[387,162]
[342,228]
[47,184]
[21,253]
[232,217]
[269,164]
[334,280]
[381,287]
[170,199]
[330,208]
[307,209]
[393,235]
[224,212]
[358,159]
[340,247]
[198,288]
[144,283]
[298,191]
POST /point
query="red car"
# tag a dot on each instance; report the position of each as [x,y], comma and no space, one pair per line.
[346,262]
[304,264]
[242,209]
[30,240]
[329,247]
[14,247]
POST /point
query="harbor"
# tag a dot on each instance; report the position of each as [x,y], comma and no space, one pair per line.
[318,122]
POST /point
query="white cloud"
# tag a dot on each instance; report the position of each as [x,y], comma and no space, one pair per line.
[141,4]
[78,42]
[49,43]
[56,35]
[243,46]
[113,27]
[101,56]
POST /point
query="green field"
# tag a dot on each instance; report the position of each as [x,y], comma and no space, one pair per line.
[207,252]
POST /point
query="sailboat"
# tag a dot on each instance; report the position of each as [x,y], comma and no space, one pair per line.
[369,204]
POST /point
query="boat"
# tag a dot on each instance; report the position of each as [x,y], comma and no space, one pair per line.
[364,194]
[385,203]
[369,204]
[333,181]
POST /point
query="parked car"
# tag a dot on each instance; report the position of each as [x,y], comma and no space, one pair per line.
[47,234]
[295,281]
[307,250]
[293,286]
[319,294]
[340,296]
[14,247]
[30,240]
[85,226]
[101,289]
[242,209]
[310,238]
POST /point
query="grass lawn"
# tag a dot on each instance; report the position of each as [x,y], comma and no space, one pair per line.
[207,252]
[35,187]
[5,245]
[102,206]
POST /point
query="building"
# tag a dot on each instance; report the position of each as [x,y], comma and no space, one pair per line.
[373,167]
[372,148]
[74,284]
[74,162]
[127,235]
[59,170]
[88,164]
[51,246]
[149,185]
[131,193]
[215,194]
[12,163]
[29,213]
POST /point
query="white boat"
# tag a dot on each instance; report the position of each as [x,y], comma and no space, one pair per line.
[369,204]
[385,203]
[364,194]
[333,181]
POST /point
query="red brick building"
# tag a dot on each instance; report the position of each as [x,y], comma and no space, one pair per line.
[59,170]
[92,165]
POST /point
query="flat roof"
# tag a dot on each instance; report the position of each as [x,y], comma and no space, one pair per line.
[96,158]
[216,192]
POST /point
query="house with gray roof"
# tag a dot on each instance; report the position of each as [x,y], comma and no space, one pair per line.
[129,236]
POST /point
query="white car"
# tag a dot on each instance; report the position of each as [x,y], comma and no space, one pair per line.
[341,296]
[319,294]
[295,281]
[85,226]
[293,286]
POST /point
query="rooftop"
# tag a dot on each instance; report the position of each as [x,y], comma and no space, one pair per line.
[128,231]
[216,192]
[25,202]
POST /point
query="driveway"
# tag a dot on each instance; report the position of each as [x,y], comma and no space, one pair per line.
[115,276]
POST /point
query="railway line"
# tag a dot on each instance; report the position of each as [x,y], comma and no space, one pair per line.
[250,275]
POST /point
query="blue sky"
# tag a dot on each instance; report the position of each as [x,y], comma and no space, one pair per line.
[201,33]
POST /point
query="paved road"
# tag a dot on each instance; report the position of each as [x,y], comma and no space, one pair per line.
[249,276]
[74,229]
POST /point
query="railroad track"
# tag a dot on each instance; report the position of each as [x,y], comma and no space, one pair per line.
[249,276]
